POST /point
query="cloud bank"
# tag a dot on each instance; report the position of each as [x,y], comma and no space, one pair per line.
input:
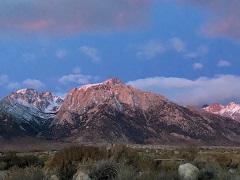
[75,78]
[72,16]
[220,88]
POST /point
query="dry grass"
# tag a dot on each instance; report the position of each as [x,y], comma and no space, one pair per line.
[120,162]
[29,173]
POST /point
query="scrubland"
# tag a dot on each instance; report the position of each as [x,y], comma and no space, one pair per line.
[120,162]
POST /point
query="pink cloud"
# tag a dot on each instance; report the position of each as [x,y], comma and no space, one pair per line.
[224,17]
[35,26]
[73,16]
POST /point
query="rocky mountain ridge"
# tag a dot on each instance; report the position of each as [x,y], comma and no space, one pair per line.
[232,110]
[112,112]
[115,112]
[31,108]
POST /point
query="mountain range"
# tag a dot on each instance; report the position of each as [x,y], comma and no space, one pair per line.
[112,112]
[32,111]
[232,110]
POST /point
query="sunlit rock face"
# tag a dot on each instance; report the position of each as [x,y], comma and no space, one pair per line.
[114,112]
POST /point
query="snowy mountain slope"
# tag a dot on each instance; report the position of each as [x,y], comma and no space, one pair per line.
[27,106]
[232,110]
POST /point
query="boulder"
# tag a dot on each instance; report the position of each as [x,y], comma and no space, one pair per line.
[188,172]
[54,177]
[81,176]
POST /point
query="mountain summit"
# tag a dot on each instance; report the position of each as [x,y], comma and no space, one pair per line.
[114,112]
[232,110]
[31,109]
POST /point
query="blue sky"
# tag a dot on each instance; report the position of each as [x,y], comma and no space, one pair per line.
[186,50]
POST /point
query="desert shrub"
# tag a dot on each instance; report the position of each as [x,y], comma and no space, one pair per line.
[104,170]
[32,160]
[126,172]
[168,170]
[167,154]
[29,173]
[131,157]
[110,170]
[3,165]
[224,160]
[157,175]
[119,162]
[43,158]
[144,163]
[121,153]
[75,154]
[64,162]
[169,166]
[238,169]
[210,168]
[201,160]
[66,170]
[11,159]
[129,172]
[188,153]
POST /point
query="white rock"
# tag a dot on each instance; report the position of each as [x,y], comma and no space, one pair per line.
[81,176]
[54,177]
[188,172]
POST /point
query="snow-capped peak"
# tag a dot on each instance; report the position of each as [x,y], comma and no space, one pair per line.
[28,105]
[87,86]
[232,110]
[21,91]
[111,82]
[44,101]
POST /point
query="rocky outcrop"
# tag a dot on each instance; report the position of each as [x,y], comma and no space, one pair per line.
[81,176]
[188,172]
